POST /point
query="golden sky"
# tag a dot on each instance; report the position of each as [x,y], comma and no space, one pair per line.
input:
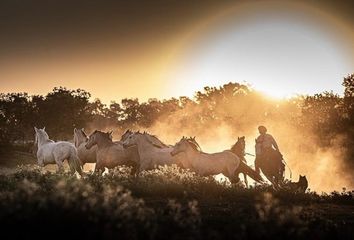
[161,49]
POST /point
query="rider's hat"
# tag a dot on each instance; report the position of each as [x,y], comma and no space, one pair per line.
[262,129]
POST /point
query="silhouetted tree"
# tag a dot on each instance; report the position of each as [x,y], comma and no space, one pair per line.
[15,113]
[237,105]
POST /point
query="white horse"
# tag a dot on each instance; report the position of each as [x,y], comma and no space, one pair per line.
[85,155]
[110,154]
[152,151]
[206,164]
[50,152]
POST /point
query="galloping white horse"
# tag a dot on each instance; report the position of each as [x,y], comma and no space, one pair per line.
[111,154]
[85,155]
[152,151]
[206,164]
[50,152]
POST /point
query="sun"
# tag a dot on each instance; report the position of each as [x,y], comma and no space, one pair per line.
[281,56]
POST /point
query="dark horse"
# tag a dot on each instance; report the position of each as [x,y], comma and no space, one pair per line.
[111,154]
[272,167]
[239,149]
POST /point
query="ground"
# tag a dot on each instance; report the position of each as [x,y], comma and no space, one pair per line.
[164,203]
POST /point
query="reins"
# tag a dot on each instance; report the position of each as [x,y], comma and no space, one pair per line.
[291,174]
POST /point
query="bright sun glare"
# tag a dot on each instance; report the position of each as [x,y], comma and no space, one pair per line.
[280,58]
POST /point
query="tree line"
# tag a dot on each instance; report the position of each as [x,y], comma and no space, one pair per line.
[233,104]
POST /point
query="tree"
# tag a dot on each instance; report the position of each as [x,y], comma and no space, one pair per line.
[62,110]
[348,84]
[15,113]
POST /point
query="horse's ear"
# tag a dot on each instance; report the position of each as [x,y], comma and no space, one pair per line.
[35,129]
[43,129]
[83,129]
[238,138]
[75,130]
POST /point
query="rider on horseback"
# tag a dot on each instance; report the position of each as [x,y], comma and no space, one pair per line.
[267,150]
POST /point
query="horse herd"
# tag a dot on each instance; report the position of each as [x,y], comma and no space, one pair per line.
[141,151]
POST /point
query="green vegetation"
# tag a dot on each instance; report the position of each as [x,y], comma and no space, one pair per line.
[166,202]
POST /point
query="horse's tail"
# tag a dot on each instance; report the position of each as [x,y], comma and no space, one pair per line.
[74,162]
[244,168]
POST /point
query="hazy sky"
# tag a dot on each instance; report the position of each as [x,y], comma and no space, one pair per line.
[117,49]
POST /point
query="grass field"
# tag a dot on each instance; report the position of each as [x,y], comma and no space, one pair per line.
[164,203]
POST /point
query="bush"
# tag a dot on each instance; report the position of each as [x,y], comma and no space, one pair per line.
[165,202]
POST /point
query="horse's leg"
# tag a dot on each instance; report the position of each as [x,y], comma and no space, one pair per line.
[257,166]
[135,169]
[245,178]
[41,161]
[74,163]
[143,166]
[99,168]
[59,158]
[234,179]
[232,176]
[60,164]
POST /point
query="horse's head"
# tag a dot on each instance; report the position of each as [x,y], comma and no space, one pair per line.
[40,135]
[125,135]
[79,136]
[184,145]
[132,139]
[179,147]
[96,137]
[92,140]
[239,147]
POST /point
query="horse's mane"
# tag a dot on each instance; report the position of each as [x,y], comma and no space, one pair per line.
[79,133]
[153,140]
[103,134]
[83,132]
[128,131]
[193,143]
[237,145]
[44,135]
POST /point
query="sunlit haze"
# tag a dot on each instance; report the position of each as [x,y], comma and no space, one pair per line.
[281,53]
[279,48]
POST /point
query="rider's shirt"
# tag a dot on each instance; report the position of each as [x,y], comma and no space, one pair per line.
[265,141]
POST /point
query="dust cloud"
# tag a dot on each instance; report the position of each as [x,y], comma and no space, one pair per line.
[325,168]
